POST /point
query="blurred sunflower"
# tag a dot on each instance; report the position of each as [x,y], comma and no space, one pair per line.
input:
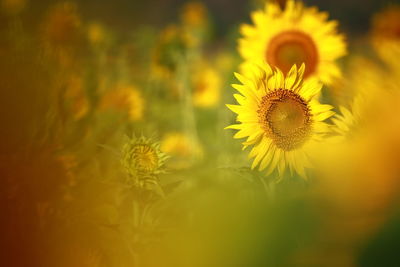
[386,24]
[182,149]
[280,116]
[170,48]
[345,123]
[124,99]
[385,35]
[365,88]
[142,158]
[294,35]
[206,83]
[95,33]
[195,23]
[194,14]
[357,81]
[61,31]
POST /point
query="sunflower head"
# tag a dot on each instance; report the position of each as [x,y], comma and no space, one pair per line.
[292,47]
[279,116]
[294,35]
[142,158]
[285,116]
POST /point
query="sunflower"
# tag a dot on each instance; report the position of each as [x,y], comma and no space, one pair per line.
[345,122]
[126,99]
[206,82]
[280,116]
[142,157]
[61,32]
[194,14]
[385,35]
[184,151]
[353,121]
[291,36]
[195,23]
[386,24]
[369,94]
[170,48]
[96,33]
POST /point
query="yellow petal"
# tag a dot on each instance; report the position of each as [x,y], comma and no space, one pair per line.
[261,151]
[323,115]
[239,98]
[310,89]
[235,108]
[281,165]
[268,157]
[234,126]
[299,79]
[291,77]
[275,159]
[240,77]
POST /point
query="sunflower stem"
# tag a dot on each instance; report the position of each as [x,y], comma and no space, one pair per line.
[189,119]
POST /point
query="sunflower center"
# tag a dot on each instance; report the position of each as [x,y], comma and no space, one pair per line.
[286,118]
[292,47]
[144,157]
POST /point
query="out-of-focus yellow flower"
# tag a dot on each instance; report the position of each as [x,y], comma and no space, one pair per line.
[61,30]
[385,35]
[362,75]
[181,148]
[386,24]
[358,176]
[194,14]
[125,99]
[294,35]
[13,6]
[358,89]
[143,159]
[358,183]
[195,23]
[206,83]
[349,123]
[62,24]
[95,33]
[169,51]
[280,116]
[366,88]
[76,97]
